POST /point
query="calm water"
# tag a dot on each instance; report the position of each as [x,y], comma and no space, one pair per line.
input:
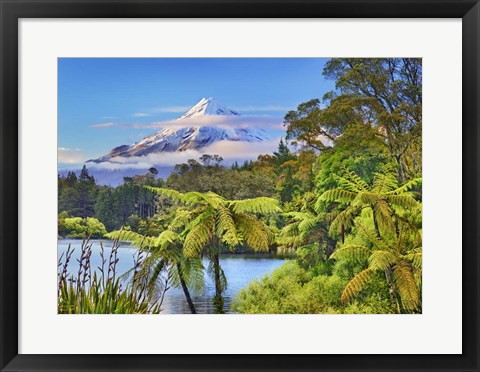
[240,270]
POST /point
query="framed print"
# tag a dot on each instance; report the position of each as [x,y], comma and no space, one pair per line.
[239,186]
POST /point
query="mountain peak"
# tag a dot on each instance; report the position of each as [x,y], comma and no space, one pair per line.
[187,135]
[208,107]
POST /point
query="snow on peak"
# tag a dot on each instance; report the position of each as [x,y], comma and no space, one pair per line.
[207,107]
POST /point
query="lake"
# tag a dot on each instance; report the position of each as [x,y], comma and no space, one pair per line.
[240,270]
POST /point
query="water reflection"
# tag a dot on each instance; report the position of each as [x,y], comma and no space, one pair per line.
[239,269]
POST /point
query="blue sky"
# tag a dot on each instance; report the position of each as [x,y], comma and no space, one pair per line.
[136,92]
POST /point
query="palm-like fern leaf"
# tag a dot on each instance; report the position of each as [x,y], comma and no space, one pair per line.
[403,201]
[406,285]
[136,239]
[356,285]
[384,182]
[353,253]
[253,231]
[378,243]
[351,181]
[209,198]
[199,234]
[416,182]
[172,194]
[415,257]
[226,227]
[262,205]
[335,195]
[381,260]
[344,220]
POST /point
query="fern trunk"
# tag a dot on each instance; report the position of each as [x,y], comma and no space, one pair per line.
[185,289]
[218,299]
[391,290]
[375,223]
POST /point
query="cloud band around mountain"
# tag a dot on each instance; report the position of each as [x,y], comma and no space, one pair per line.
[230,151]
[241,121]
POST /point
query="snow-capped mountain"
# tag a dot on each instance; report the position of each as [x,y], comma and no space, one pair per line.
[186,136]
[207,107]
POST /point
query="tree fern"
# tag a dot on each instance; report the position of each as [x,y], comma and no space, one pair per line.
[386,256]
[383,197]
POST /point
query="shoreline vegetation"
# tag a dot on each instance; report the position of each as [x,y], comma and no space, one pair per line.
[341,197]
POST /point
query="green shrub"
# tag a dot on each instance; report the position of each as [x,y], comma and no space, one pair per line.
[291,289]
[77,227]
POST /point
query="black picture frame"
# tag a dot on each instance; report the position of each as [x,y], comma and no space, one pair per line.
[12,11]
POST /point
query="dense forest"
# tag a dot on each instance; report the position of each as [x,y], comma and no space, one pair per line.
[341,197]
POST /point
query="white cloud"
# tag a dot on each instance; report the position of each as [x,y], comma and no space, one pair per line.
[243,121]
[172,109]
[230,151]
[141,115]
[70,156]
[104,125]
[264,108]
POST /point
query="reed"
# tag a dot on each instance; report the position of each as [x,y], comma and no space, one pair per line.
[85,292]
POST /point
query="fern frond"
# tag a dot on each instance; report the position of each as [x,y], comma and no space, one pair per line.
[344,220]
[167,238]
[134,238]
[406,286]
[357,253]
[365,198]
[261,205]
[335,195]
[172,194]
[226,227]
[199,234]
[253,231]
[308,223]
[416,182]
[351,181]
[402,201]
[290,230]
[381,260]
[355,285]
[296,216]
[385,181]
[379,244]
[383,215]
[193,274]
[209,198]
[415,257]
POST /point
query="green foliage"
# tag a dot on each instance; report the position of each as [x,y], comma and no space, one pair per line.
[291,290]
[77,227]
[236,183]
[77,196]
[393,257]
[384,198]
[386,92]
